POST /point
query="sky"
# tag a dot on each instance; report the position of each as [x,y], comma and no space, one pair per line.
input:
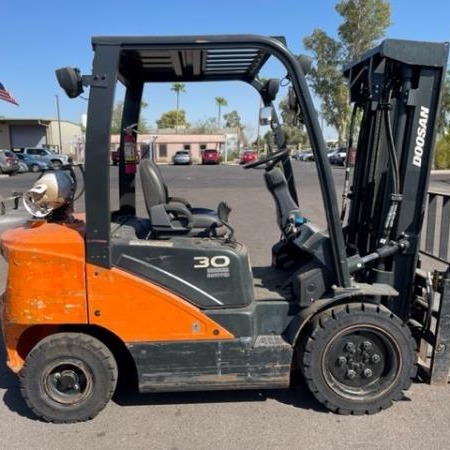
[36,40]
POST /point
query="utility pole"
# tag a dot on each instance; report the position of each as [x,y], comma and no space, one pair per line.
[59,124]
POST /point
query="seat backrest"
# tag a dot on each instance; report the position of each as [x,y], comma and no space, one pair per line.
[153,186]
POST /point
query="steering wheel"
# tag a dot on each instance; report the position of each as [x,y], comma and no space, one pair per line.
[273,159]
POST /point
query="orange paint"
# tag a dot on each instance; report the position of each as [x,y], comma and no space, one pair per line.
[49,284]
[45,283]
[46,279]
[137,310]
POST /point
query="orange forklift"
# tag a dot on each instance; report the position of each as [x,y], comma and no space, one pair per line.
[173,296]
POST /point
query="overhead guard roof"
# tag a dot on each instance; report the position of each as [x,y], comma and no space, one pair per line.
[191,58]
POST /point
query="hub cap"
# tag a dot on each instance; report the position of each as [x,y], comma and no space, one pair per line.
[361,361]
[67,382]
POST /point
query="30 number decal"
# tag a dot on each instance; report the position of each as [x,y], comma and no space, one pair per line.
[203,262]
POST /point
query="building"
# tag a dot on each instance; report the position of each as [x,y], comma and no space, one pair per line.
[38,132]
[164,143]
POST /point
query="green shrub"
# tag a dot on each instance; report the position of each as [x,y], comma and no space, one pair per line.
[442,152]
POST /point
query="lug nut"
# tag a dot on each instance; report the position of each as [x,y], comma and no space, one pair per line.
[367,373]
[376,358]
[350,346]
[350,374]
[367,345]
[342,360]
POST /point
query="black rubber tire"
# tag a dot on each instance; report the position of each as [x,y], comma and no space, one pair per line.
[79,360]
[34,168]
[363,382]
[56,164]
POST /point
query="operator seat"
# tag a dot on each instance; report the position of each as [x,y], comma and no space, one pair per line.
[172,215]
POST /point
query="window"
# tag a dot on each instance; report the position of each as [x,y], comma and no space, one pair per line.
[202,146]
[163,150]
[187,146]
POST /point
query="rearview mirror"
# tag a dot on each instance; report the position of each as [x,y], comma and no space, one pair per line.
[70,79]
[265,115]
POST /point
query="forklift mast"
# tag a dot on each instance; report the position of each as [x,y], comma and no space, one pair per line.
[397,86]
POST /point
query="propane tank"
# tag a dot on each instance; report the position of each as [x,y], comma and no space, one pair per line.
[51,192]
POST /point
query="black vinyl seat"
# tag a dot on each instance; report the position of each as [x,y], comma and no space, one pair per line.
[173,215]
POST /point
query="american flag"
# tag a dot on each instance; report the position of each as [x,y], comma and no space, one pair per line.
[6,96]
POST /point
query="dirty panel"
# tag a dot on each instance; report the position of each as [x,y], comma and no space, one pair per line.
[190,366]
[46,280]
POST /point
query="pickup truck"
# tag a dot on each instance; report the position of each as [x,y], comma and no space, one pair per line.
[55,159]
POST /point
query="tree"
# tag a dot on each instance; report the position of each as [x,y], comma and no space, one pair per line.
[295,134]
[116,119]
[178,88]
[172,119]
[208,125]
[364,24]
[443,120]
[220,101]
[233,120]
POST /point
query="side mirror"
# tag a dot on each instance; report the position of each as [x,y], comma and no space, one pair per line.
[70,79]
[265,115]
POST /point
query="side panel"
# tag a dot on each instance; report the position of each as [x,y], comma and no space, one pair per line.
[46,280]
[137,310]
[234,364]
[207,272]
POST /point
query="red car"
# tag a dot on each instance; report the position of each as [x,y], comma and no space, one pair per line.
[210,157]
[248,156]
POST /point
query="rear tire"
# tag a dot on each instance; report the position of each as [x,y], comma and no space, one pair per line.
[358,359]
[68,377]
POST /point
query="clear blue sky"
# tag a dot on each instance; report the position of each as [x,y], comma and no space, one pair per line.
[38,37]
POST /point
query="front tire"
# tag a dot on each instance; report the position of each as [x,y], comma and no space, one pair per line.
[68,377]
[358,359]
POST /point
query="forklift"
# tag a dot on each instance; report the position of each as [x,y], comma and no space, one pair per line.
[172,295]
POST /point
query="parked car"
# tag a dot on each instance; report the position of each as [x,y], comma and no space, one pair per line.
[9,162]
[44,154]
[182,157]
[305,156]
[115,157]
[23,168]
[338,157]
[248,156]
[32,163]
[211,156]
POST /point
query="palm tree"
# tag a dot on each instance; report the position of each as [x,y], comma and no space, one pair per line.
[220,101]
[177,88]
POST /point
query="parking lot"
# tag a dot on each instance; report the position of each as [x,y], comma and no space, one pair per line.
[230,420]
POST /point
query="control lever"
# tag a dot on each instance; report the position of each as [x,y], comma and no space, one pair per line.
[223,212]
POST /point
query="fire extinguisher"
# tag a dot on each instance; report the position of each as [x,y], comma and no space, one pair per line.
[129,150]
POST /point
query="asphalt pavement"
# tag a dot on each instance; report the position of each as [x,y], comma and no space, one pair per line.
[275,419]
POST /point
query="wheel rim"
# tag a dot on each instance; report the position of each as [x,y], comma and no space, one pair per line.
[67,382]
[362,362]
